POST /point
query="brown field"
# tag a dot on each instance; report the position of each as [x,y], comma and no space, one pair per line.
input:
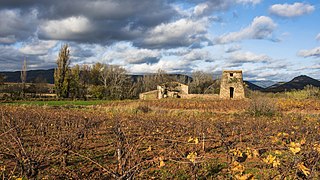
[264,138]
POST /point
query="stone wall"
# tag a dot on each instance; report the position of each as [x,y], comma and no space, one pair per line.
[150,95]
[232,85]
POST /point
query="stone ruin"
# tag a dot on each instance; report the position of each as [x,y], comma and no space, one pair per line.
[172,89]
[231,87]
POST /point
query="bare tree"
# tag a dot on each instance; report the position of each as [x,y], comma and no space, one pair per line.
[114,80]
[202,83]
[2,78]
[23,76]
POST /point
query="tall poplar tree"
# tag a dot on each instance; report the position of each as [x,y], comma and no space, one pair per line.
[62,73]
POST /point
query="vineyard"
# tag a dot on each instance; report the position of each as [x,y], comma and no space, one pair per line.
[263,138]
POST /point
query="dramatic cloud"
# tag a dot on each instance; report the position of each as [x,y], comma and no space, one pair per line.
[103,21]
[73,28]
[291,10]
[183,32]
[315,52]
[11,59]
[261,28]
[16,25]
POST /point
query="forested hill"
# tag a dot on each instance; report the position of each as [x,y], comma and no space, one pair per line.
[32,75]
[48,76]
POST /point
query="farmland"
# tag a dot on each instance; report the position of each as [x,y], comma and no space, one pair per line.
[260,138]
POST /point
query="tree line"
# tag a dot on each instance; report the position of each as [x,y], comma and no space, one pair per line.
[105,81]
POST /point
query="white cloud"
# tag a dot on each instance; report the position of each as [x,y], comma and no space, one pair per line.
[126,52]
[261,28]
[200,9]
[206,8]
[182,32]
[291,10]
[248,1]
[196,54]
[248,57]
[315,52]
[8,39]
[233,48]
[239,58]
[170,66]
[37,47]
[71,28]
[318,37]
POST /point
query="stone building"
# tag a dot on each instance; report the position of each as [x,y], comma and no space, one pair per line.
[172,90]
[232,85]
[166,90]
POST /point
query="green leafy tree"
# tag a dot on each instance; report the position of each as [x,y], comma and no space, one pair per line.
[62,74]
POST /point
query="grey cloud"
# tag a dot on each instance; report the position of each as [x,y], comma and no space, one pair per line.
[148,60]
[17,25]
[11,59]
[102,21]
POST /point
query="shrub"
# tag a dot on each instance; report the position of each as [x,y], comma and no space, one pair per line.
[262,107]
[144,108]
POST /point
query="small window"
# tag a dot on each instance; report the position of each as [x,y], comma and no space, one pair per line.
[231,74]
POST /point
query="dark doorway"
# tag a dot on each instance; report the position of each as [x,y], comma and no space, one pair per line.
[231,92]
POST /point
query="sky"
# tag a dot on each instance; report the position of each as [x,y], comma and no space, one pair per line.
[268,40]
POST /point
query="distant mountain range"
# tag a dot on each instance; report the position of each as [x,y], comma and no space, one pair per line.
[263,83]
[296,83]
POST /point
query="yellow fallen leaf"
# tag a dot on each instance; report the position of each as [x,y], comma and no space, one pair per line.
[244,177]
[269,159]
[294,147]
[196,140]
[317,147]
[304,169]
[192,156]
[161,164]
[237,167]
[276,163]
